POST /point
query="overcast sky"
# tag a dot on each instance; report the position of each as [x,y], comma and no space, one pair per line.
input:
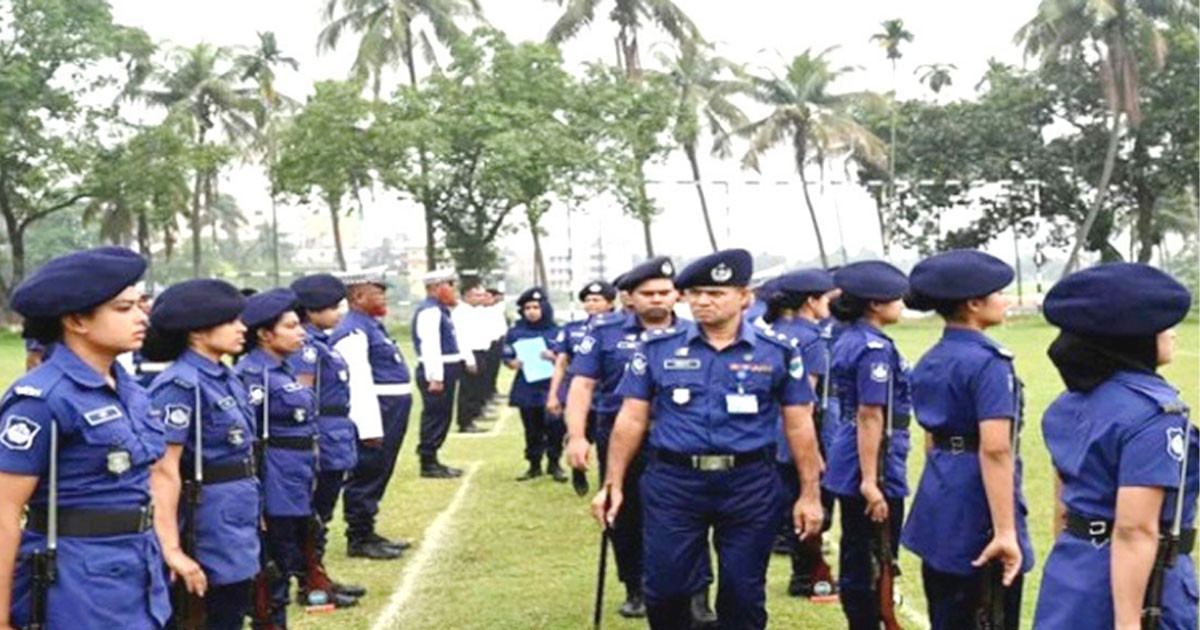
[761,33]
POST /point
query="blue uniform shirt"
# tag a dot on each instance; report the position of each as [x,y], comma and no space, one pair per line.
[964,379]
[107,441]
[568,337]
[863,363]
[524,394]
[387,364]
[289,472]
[815,352]
[1128,431]
[708,401]
[227,515]
[338,437]
[610,341]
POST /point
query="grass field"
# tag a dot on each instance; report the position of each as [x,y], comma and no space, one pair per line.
[498,554]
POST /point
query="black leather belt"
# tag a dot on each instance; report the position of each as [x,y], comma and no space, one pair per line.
[334,411]
[89,522]
[1099,531]
[291,442]
[221,473]
[710,462]
[956,443]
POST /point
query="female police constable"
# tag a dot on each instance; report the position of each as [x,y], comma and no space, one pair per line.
[195,325]
[543,436]
[968,509]
[1119,439]
[871,380]
[76,440]
[285,413]
[795,304]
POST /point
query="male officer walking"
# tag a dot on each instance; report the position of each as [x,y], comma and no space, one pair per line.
[440,368]
[715,388]
[380,399]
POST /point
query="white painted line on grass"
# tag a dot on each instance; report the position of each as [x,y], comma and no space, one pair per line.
[431,544]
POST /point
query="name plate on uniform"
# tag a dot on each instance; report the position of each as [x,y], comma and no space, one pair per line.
[741,403]
[681,364]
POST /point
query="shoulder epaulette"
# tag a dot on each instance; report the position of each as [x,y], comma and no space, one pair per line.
[876,345]
[604,320]
[658,334]
[777,338]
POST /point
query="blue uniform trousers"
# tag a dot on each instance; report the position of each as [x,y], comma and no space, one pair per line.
[226,606]
[855,580]
[953,599]
[543,435]
[436,410]
[325,495]
[626,534]
[367,482]
[680,506]
[285,546]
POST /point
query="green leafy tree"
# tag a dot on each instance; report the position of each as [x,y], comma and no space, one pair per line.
[325,152]
[815,123]
[936,75]
[893,35]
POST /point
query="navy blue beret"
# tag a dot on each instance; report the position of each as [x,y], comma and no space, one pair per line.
[1117,299]
[319,291]
[196,305]
[726,268]
[267,306]
[959,275]
[598,287]
[871,280]
[533,294]
[657,267]
[78,281]
[804,281]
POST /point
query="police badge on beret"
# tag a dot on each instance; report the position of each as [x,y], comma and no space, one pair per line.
[19,433]
[667,268]
[721,273]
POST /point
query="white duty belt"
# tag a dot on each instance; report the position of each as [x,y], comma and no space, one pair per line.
[393,389]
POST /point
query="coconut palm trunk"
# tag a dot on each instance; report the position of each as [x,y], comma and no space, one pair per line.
[1110,159]
[690,151]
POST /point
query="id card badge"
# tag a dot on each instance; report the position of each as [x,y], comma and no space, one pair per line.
[741,403]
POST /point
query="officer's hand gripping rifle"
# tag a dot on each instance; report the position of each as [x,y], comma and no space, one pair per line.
[1168,546]
[881,548]
[44,570]
[989,613]
[189,607]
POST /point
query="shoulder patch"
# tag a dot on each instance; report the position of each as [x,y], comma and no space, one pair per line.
[177,416]
[586,345]
[1175,443]
[309,354]
[19,433]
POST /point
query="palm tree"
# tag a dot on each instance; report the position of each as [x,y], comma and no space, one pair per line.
[817,124]
[890,39]
[629,16]
[1111,29]
[259,66]
[387,37]
[204,84]
[703,101]
[936,75]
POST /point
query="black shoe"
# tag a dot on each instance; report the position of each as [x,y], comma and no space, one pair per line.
[471,428]
[324,598]
[437,472]
[349,590]
[399,544]
[372,550]
[579,481]
[703,617]
[533,472]
[783,545]
[556,471]
[452,471]
[634,606]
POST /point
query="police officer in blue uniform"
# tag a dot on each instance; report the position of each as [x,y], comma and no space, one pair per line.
[285,414]
[1125,453]
[206,413]
[543,434]
[380,399]
[596,369]
[714,389]
[322,368]
[441,365]
[871,379]
[795,303]
[77,446]
[969,509]
[597,297]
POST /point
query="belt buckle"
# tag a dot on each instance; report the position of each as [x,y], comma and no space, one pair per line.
[712,463]
[1097,529]
[958,444]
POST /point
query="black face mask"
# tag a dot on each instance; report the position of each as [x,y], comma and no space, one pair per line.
[1086,361]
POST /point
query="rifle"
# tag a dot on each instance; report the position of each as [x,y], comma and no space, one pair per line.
[602,570]
[45,571]
[885,563]
[189,607]
[268,571]
[1168,547]
[989,613]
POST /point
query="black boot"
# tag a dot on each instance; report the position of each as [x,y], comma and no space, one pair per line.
[556,471]
[398,544]
[431,468]
[534,471]
[635,604]
[372,550]
[703,617]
